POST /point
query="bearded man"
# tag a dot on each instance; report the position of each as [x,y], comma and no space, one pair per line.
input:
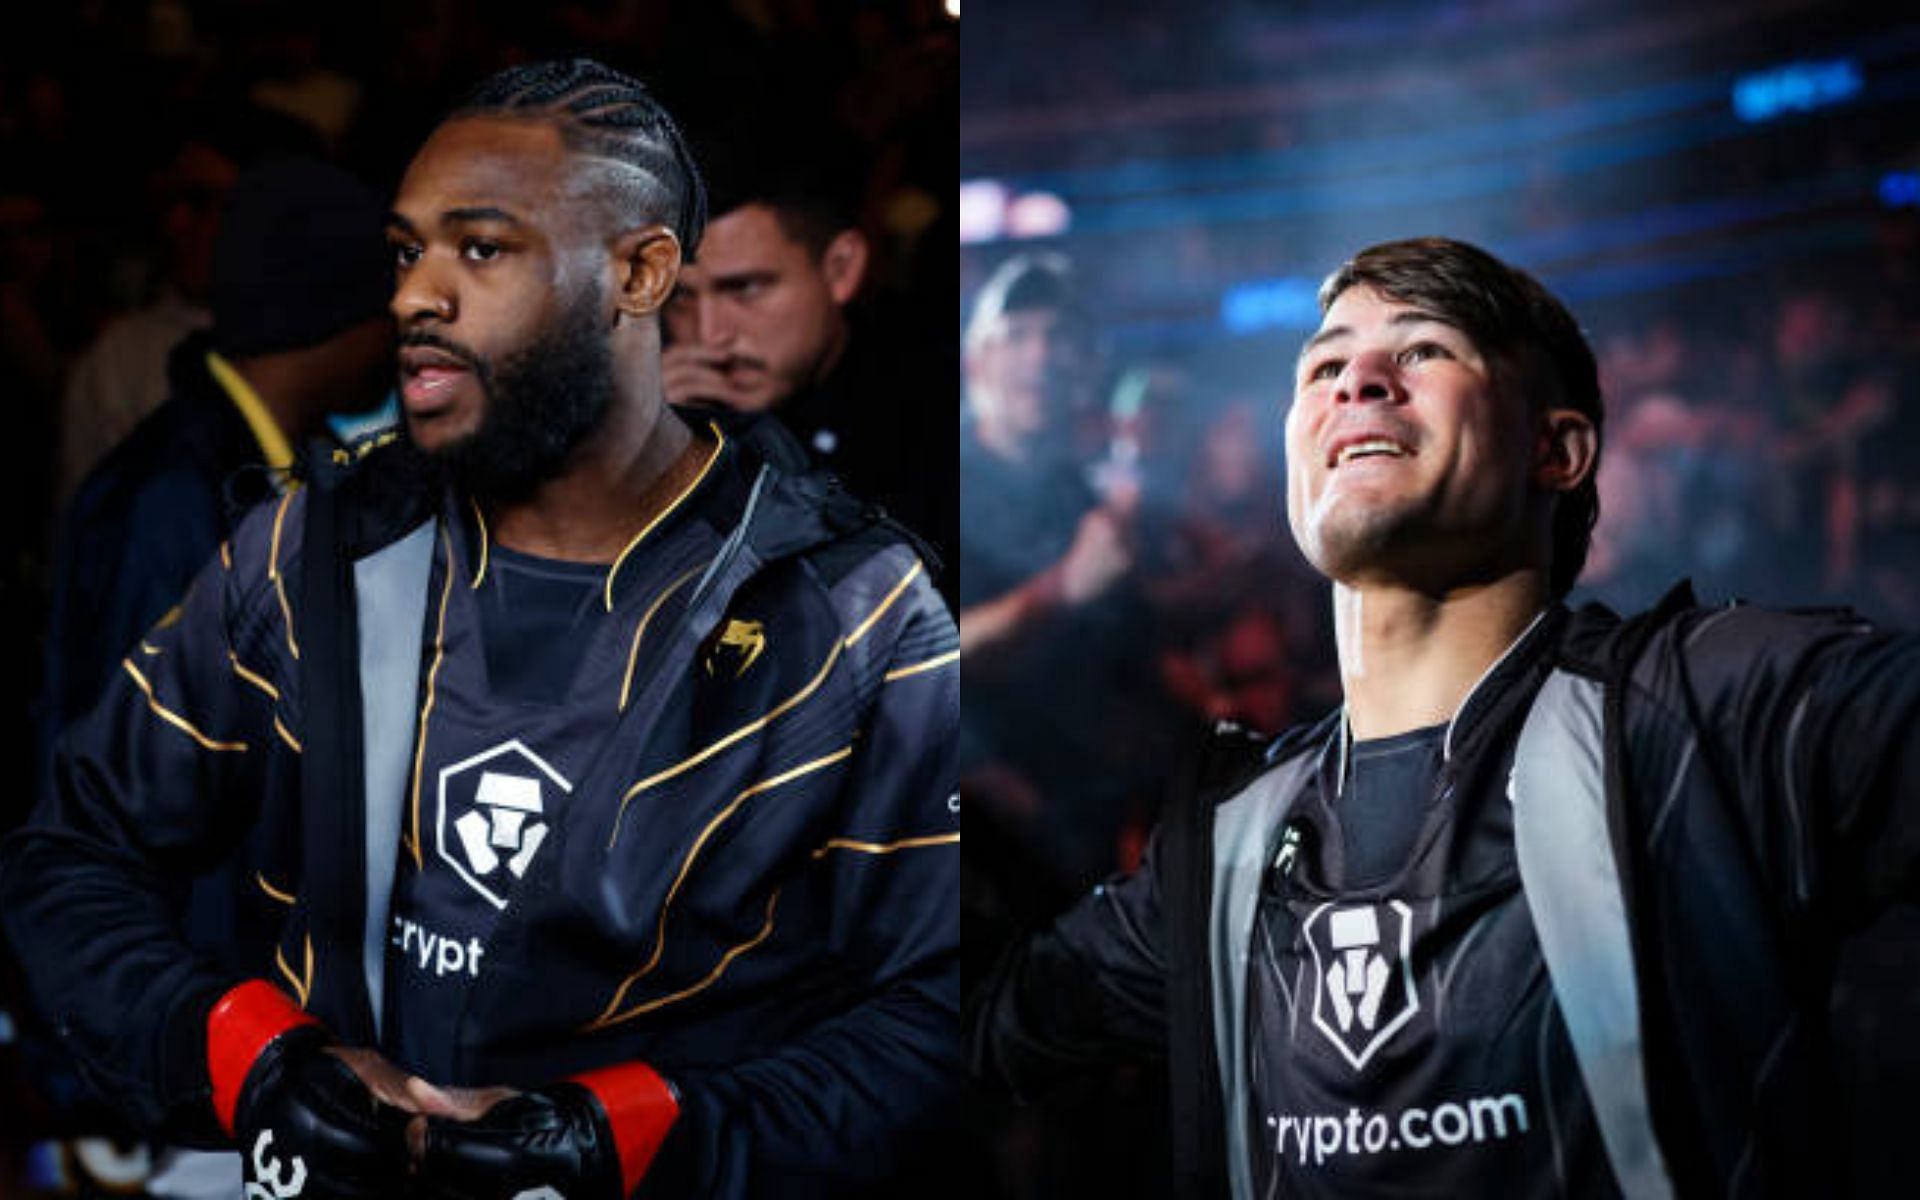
[600,766]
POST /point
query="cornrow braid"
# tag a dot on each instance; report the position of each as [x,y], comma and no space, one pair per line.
[604,113]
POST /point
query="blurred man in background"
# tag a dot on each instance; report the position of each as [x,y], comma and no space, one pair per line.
[1045,564]
[299,286]
[766,318]
[122,375]
[1060,729]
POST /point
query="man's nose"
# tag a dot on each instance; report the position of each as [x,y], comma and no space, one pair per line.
[1368,375]
[712,326]
[421,293]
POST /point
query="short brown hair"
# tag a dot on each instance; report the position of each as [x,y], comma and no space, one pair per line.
[1514,321]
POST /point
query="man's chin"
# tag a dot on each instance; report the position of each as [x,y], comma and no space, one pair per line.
[1352,546]
[755,393]
[752,402]
[437,436]
[461,459]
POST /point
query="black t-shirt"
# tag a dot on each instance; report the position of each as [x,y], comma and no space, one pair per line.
[501,755]
[1404,1035]
[525,692]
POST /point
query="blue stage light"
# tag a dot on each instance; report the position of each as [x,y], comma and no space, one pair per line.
[1289,303]
[1796,87]
[1900,189]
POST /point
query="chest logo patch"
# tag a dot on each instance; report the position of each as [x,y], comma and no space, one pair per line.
[740,642]
[495,811]
[1363,972]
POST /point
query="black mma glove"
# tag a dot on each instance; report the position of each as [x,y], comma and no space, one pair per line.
[588,1138]
[305,1124]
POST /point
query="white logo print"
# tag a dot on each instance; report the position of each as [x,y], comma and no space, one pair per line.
[493,820]
[539,1193]
[1370,999]
[267,1171]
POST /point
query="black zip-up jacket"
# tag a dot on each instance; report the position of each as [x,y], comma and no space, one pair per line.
[1758,773]
[753,889]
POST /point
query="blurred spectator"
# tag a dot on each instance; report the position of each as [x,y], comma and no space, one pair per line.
[1062,733]
[299,286]
[1050,622]
[122,376]
[1238,610]
[31,361]
[1222,535]
[1820,408]
[766,316]
[30,364]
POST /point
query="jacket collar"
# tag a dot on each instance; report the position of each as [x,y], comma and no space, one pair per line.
[1505,683]
[469,523]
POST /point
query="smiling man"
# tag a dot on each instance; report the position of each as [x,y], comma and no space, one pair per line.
[600,769]
[1550,906]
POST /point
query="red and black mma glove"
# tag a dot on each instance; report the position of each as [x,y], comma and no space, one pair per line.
[590,1137]
[305,1124]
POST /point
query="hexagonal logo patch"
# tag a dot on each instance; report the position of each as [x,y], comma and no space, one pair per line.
[494,813]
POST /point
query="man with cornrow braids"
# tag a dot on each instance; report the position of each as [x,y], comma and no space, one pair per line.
[599,760]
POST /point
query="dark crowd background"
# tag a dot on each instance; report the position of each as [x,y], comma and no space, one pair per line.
[123,125]
[1726,193]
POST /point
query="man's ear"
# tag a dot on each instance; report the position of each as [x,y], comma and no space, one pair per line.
[646,262]
[844,263]
[1566,451]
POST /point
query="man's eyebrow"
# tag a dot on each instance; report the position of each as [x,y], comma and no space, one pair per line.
[455,216]
[478,213]
[1420,316]
[1325,335]
[1411,316]
[737,278]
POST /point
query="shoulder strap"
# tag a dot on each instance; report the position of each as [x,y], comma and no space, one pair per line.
[1574,890]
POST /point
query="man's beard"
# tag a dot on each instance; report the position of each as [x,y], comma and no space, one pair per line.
[542,402]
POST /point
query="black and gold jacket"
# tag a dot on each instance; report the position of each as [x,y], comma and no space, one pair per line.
[753,888]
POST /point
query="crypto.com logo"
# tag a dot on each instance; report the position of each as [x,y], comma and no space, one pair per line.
[1363,970]
[494,815]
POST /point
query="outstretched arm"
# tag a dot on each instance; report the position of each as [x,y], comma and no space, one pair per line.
[1813,718]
